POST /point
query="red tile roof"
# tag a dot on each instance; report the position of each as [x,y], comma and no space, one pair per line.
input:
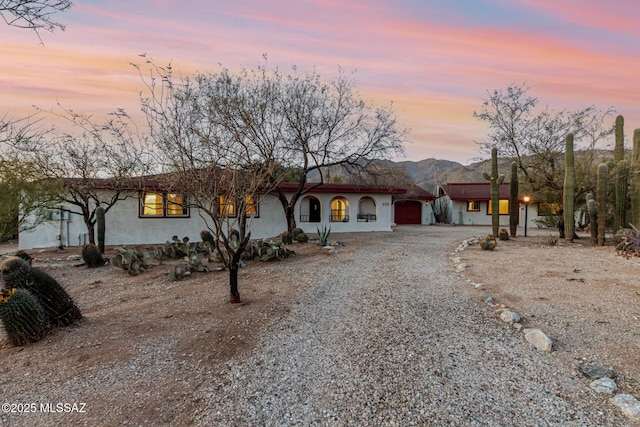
[473,191]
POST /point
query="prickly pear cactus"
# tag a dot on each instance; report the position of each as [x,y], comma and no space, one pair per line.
[22,316]
[131,260]
[92,256]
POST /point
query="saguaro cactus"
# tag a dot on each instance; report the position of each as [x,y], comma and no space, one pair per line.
[495,181]
[100,222]
[622,177]
[634,179]
[592,208]
[513,200]
[569,190]
[601,200]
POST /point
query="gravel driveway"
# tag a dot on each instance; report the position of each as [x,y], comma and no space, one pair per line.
[391,335]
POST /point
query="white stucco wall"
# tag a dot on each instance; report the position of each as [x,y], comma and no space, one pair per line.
[123,226]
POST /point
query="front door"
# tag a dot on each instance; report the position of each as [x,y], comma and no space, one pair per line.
[314,210]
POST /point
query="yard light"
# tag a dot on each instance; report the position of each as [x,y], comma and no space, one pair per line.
[526,213]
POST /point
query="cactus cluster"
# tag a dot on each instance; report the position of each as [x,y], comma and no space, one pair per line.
[57,305]
[195,262]
[266,250]
[504,235]
[299,235]
[91,256]
[177,248]
[131,260]
[286,238]
[489,243]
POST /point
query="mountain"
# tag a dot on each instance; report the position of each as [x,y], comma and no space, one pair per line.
[429,173]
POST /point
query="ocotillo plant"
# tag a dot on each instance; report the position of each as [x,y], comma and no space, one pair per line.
[621,180]
[513,200]
[569,190]
[634,179]
[495,181]
[100,223]
[601,196]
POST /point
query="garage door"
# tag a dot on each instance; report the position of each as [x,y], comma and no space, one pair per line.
[408,212]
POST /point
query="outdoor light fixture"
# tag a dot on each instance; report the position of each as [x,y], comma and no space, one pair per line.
[526,213]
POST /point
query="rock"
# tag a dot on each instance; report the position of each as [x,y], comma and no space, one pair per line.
[328,247]
[596,372]
[628,404]
[487,299]
[461,267]
[74,257]
[509,317]
[518,326]
[604,385]
[538,339]
[55,266]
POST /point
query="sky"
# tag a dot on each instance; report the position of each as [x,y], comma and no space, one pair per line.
[436,60]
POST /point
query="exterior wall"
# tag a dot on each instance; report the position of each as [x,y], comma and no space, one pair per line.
[124,226]
[383,206]
[460,215]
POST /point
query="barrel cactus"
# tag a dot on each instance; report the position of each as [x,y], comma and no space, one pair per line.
[92,256]
[56,302]
[22,316]
[286,238]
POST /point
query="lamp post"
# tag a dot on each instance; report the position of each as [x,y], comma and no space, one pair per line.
[526,213]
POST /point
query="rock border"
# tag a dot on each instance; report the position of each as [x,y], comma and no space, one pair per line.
[602,378]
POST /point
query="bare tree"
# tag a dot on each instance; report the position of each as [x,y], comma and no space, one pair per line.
[93,167]
[34,15]
[327,124]
[208,135]
[535,138]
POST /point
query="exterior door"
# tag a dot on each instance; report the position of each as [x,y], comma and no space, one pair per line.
[314,210]
[408,212]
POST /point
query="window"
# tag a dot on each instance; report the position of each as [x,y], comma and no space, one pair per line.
[473,206]
[227,206]
[251,206]
[161,205]
[339,210]
[502,210]
[548,209]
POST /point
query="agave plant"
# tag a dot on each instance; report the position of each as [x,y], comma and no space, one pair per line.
[324,235]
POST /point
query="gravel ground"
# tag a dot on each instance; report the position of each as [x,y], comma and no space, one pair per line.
[390,335]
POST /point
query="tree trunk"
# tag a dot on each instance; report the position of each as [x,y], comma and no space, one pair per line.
[291,218]
[91,231]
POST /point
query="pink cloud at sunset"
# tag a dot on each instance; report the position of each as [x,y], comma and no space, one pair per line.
[435,60]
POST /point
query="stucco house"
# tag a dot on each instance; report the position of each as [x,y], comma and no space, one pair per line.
[470,204]
[151,215]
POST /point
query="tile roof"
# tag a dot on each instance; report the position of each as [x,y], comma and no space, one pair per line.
[473,191]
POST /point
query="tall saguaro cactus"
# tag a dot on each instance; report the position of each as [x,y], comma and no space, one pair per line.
[592,208]
[495,181]
[621,177]
[601,200]
[100,222]
[569,190]
[634,178]
[513,200]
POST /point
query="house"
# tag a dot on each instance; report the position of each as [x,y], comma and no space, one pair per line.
[470,204]
[413,206]
[151,215]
